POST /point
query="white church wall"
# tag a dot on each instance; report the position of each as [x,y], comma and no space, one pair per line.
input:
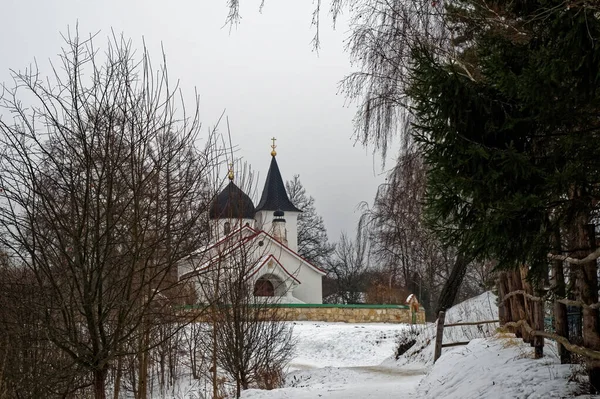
[310,289]
[264,221]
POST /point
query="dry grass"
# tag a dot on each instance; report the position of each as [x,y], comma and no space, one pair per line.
[270,379]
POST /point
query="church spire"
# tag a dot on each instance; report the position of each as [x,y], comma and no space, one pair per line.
[274,197]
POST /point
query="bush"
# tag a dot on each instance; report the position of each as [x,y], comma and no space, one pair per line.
[269,378]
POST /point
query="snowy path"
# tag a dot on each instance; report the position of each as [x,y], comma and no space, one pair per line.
[346,383]
[339,360]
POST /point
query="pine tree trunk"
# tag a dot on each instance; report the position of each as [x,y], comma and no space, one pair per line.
[527,303]
[452,285]
[514,284]
[561,322]
[504,311]
[588,291]
[538,317]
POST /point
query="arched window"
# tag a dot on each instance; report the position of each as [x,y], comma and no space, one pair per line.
[264,287]
[227,228]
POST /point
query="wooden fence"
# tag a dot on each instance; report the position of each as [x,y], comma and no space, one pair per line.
[439,335]
[523,313]
[521,310]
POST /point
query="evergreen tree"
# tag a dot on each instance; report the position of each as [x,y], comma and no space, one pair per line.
[508,132]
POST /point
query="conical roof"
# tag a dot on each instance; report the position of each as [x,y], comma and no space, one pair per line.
[274,197]
[232,203]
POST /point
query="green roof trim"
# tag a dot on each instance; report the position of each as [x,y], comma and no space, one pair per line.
[328,305]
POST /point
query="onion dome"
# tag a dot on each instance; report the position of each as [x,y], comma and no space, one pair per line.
[232,203]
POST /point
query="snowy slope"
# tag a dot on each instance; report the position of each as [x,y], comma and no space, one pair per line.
[479,308]
[320,344]
[501,367]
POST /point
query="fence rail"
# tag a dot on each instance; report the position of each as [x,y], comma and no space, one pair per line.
[439,335]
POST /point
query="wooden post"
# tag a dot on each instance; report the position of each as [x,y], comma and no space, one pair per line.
[538,319]
[439,335]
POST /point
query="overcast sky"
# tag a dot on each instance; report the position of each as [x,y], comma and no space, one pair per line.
[263,73]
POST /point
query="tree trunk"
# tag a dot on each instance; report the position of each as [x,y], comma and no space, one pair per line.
[452,285]
[117,387]
[588,290]
[561,323]
[100,383]
[514,284]
[534,311]
[528,304]
[504,308]
[143,372]
[214,374]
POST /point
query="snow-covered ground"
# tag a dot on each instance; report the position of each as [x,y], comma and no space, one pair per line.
[479,308]
[320,344]
[499,367]
[339,360]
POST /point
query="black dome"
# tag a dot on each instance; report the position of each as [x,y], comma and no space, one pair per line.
[278,213]
[232,203]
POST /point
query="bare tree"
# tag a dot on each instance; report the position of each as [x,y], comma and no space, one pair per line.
[407,251]
[349,265]
[252,343]
[313,243]
[248,340]
[103,189]
[30,365]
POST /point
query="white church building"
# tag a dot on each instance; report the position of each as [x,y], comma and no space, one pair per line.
[261,242]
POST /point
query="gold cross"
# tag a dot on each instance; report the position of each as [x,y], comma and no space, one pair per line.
[273,146]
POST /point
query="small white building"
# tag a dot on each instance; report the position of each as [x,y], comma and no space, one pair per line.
[259,242]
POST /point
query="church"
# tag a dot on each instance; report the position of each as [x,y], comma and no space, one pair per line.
[260,242]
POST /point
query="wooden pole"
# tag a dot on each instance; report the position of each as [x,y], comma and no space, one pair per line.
[538,319]
[439,335]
